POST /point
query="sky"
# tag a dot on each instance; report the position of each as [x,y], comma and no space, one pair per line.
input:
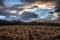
[12,2]
[42,8]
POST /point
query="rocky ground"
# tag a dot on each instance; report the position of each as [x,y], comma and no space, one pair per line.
[29,32]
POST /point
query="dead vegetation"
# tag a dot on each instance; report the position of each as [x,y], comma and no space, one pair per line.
[29,32]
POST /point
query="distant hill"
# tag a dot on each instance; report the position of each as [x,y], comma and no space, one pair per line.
[17,22]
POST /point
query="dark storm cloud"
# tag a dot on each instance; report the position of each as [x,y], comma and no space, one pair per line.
[57,6]
[57,3]
[32,1]
[1,2]
[6,10]
[28,15]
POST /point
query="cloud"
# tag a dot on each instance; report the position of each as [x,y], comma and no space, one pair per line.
[1,2]
[32,1]
[56,2]
[28,17]
[57,6]
[40,3]
[10,10]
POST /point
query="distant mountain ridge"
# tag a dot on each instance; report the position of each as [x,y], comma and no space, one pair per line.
[17,22]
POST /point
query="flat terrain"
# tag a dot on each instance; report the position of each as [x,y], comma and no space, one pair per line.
[29,32]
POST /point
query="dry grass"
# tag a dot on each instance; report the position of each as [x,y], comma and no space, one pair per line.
[29,32]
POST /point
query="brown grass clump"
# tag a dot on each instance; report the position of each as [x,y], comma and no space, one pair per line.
[29,32]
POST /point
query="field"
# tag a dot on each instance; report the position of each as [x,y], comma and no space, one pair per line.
[29,32]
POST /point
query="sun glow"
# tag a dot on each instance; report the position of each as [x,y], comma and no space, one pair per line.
[46,5]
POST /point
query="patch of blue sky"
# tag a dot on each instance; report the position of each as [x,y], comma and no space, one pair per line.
[12,2]
[2,17]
